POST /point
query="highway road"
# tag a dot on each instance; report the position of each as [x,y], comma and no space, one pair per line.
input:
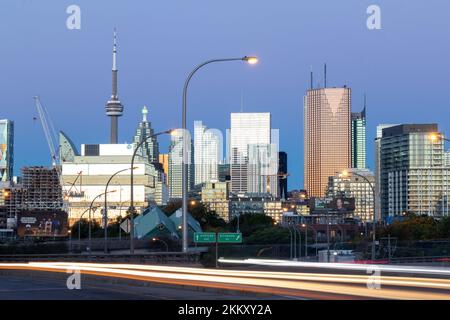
[431,283]
[26,288]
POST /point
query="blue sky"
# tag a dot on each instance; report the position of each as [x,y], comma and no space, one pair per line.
[402,68]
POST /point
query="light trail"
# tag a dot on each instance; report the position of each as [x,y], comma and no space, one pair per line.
[281,283]
[341,266]
[341,278]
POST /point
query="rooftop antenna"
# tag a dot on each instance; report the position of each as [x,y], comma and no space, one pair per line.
[325,74]
[242,100]
[365,105]
[312,83]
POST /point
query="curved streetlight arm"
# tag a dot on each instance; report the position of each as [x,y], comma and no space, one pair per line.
[105,213]
[184,178]
[157,239]
[374,208]
[131,209]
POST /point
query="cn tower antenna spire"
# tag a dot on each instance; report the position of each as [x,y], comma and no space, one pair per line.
[114,108]
[114,67]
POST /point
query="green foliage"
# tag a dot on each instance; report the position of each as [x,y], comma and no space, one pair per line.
[415,227]
[269,235]
[171,207]
[250,223]
[82,227]
[209,220]
[444,228]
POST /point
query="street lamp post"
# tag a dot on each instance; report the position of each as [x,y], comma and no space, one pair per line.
[436,137]
[374,222]
[70,241]
[291,237]
[250,60]
[90,210]
[328,240]
[131,209]
[299,240]
[160,240]
[306,239]
[105,213]
[79,228]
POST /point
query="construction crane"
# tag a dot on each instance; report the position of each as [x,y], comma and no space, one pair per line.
[49,131]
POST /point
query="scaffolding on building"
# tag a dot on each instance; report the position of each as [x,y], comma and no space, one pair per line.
[43,188]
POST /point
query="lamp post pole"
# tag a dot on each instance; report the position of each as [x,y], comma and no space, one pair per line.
[306,239]
[131,209]
[165,243]
[79,228]
[105,213]
[90,210]
[185,162]
[291,236]
[374,221]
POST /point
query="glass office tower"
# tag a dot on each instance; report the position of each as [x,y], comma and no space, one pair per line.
[327,147]
[6,149]
[207,153]
[252,154]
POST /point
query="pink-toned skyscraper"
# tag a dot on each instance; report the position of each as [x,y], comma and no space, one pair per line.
[327,132]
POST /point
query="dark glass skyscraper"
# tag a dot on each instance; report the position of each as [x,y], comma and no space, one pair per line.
[282,174]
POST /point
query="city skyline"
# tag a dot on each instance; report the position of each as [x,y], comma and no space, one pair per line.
[215,153]
[148,78]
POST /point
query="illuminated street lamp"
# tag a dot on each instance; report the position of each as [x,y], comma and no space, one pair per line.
[435,137]
[131,209]
[154,239]
[90,209]
[184,180]
[105,212]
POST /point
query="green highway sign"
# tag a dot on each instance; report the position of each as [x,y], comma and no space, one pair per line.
[229,237]
[204,237]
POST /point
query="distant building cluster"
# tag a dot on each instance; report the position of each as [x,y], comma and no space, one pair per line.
[411,171]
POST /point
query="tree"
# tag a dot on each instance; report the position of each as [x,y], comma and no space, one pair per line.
[413,227]
[96,229]
[250,223]
[269,235]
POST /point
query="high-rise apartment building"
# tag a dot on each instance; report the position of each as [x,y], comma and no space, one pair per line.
[379,134]
[353,186]
[149,149]
[207,147]
[253,154]
[327,132]
[414,175]
[176,165]
[359,139]
[6,149]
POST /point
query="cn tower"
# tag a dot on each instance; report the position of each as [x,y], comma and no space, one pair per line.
[114,108]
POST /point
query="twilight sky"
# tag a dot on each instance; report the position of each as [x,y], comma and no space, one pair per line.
[402,68]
